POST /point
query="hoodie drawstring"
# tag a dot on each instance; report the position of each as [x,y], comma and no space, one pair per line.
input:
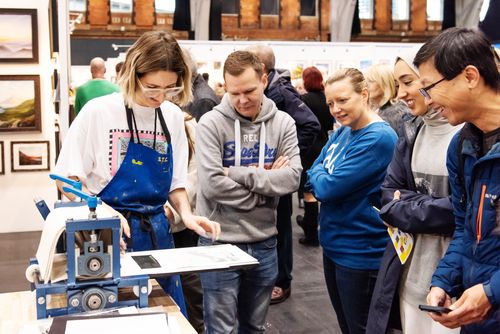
[262,145]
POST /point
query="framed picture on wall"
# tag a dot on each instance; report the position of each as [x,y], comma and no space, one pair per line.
[2,159]
[20,103]
[296,68]
[18,36]
[28,156]
[324,66]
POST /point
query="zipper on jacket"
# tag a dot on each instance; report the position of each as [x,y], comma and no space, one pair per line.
[479,218]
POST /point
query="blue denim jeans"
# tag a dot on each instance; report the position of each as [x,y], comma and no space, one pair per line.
[238,300]
[350,292]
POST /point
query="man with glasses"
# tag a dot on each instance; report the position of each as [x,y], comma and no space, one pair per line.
[459,71]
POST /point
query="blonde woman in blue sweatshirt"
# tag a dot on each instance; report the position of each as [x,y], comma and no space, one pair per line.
[346,179]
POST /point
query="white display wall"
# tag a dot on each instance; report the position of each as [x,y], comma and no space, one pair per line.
[294,56]
[18,188]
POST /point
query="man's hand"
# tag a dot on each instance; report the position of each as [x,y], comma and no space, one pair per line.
[202,226]
[281,162]
[397,195]
[168,213]
[471,307]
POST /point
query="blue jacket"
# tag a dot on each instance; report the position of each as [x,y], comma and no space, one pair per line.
[415,213]
[473,256]
[281,91]
[346,179]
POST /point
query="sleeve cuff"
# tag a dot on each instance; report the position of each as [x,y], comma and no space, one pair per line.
[489,294]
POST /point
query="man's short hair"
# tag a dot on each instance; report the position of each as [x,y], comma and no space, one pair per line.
[456,48]
[238,61]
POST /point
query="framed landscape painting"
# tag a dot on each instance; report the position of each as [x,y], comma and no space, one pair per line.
[20,103]
[18,36]
[29,156]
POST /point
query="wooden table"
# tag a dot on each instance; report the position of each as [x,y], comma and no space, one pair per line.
[18,309]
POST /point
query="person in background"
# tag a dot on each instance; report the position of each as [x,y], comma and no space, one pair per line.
[279,89]
[96,87]
[298,84]
[118,68]
[247,158]
[219,90]
[137,137]
[204,98]
[184,237]
[460,77]
[346,179]
[416,199]
[315,99]
[382,89]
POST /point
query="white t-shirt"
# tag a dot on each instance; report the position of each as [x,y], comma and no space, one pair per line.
[98,138]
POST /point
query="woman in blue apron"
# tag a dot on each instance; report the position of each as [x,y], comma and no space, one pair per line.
[138,191]
[144,168]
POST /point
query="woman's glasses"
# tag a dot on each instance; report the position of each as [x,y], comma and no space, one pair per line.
[165,92]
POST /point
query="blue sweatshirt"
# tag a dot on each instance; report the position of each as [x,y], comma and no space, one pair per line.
[346,179]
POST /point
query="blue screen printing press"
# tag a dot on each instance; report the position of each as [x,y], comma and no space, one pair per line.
[90,271]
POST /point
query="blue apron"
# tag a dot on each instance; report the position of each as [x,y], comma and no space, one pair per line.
[139,190]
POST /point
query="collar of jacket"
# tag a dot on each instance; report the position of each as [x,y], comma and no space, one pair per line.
[411,128]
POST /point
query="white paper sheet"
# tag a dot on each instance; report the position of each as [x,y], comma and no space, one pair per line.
[189,259]
[149,323]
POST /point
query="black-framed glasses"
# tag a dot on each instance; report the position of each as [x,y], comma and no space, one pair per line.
[424,91]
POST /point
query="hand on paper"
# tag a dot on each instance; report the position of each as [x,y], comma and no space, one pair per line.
[202,226]
[472,306]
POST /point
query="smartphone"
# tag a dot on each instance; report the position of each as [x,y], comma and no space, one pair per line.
[435,309]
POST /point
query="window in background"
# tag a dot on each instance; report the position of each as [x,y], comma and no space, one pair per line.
[230,6]
[121,6]
[164,6]
[77,5]
[269,7]
[308,7]
[401,10]
[366,9]
[435,10]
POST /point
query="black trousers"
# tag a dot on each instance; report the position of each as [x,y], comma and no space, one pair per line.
[284,247]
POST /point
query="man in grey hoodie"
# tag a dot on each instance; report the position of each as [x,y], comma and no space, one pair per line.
[248,156]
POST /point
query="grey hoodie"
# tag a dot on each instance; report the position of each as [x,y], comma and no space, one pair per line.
[244,202]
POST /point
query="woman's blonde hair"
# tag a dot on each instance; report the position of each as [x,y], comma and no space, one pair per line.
[357,79]
[154,51]
[383,75]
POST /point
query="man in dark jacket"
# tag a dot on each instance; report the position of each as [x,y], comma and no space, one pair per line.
[286,98]
[204,98]
[461,79]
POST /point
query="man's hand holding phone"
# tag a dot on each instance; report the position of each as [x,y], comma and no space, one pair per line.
[434,309]
[472,306]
